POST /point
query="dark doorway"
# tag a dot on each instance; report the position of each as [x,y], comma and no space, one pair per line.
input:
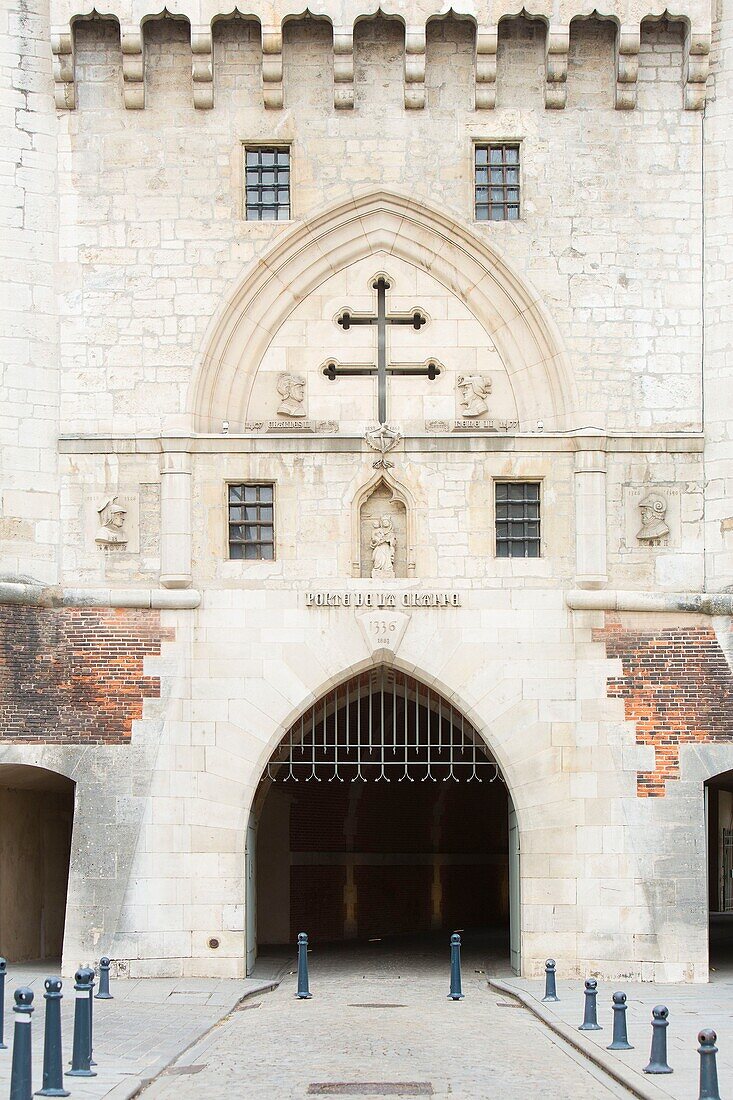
[719,813]
[382,815]
[36,819]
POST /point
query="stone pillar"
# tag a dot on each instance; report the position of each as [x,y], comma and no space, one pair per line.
[175,519]
[590,519]
[718,305]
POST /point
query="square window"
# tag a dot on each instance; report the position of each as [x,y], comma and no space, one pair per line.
[253,539]
[517,519]
[267,196]
[497,165]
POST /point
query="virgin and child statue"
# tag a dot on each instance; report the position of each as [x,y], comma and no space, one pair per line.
[384,547]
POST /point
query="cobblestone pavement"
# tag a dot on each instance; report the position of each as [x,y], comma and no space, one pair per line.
[691,1008]
[381,1020]
[148,1023]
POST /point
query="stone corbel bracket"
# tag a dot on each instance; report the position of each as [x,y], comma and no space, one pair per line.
[415,47]
[343,68]
[202,67]
[272,66]
[556,66]
[487,39]
[133,67]
[62,48]
[697,65]
[628,42]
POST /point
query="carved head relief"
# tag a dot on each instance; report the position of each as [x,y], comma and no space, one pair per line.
[474,390]
[291,388]
[111,534]
[653,510]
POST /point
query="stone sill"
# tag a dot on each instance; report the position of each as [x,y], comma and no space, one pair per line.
[55,596]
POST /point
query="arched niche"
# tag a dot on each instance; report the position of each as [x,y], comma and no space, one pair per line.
[382,496]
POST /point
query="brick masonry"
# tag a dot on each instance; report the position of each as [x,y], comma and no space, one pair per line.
[677,688]
[75,675]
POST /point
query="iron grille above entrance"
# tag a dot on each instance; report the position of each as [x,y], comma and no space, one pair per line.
[382,726]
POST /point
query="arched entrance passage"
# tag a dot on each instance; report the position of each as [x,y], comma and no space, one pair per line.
[36,819]
[719,815]
[382,813]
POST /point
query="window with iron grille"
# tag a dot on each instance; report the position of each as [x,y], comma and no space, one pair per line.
[517,511]
[497,182]
[251,522]
[267,183]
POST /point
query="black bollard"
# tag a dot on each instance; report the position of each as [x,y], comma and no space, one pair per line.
[658,1055]
[53,1084]
[456,992]
[3,972]
[104,993]
[708,1067]
[20,1073]
[81,1051]
[91,1018]
[590,1013]
[304,992]
[620,1035]
[550,987]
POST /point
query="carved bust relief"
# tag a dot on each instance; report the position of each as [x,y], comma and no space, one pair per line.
[473,391]
[111,534]
[653,510]
[291,388]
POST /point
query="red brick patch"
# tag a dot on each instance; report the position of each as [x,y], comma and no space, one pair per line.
[676,686]
[75,674]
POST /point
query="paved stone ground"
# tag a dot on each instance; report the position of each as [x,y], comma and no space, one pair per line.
[148,1023]
[691,1008]
[382,1016]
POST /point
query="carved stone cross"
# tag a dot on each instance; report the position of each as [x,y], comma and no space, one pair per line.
[382,319]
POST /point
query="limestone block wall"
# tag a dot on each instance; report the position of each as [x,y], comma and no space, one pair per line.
[29,359]
[719,309]
[155,241]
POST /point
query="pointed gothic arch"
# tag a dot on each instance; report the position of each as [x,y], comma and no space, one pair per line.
[508,307]
[405,859]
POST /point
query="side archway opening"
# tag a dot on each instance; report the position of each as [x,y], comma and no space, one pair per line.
[382,818]
[36,823]
[719,819]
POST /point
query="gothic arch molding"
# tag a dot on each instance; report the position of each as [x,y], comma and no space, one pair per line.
[510,310]
[511,772]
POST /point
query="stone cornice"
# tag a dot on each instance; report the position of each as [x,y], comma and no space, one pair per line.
[39,595]
[627,15]
[524,443]
[696,603]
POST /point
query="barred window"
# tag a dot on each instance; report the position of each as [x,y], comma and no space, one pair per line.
[497,182]
[517,510]
[267,183]
[251,522]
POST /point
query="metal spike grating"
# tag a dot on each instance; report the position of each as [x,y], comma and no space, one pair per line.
[381,726]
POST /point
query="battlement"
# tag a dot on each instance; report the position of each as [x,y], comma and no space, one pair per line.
[132,17]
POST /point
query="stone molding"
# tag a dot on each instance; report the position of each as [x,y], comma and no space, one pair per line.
[38,595]
[693,603]
[414,15]
[510,310]
[274,443]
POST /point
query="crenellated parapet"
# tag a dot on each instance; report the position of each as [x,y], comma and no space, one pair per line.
[626,15]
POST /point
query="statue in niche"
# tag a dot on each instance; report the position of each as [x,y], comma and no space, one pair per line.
[474,390]
[384,548]
[382,534]
[291,388]
[653,526]
[111,534]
